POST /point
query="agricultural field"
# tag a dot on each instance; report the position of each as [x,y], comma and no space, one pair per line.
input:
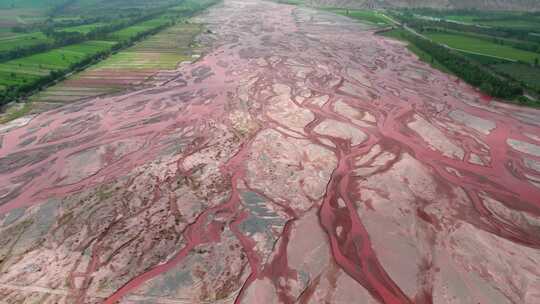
[461,18]
[515,24]
[134,30]
[481,46]
[500,59]
[10,40]
[31,70]
[504,22]
[128,68]
[370,16]
[292,2]
[496,19]
[523,72]
[83,29]
[24,70]
[103,8]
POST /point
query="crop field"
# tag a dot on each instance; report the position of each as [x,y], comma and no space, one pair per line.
[370,16]
[134,30]
[528,74]
[292,2]
[470,44]
[22,70]
[461,18]
[516,24]
[84,29]
[100,7]
[34,60]
[13,40]
[128,68]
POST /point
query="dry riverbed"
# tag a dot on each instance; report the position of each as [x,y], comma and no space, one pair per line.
[302,160]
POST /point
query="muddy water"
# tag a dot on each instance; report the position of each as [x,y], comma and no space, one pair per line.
[425,190]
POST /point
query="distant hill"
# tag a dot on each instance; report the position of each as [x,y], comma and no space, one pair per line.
[525,5]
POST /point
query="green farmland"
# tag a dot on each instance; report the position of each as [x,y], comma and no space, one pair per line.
[526,73]
[134,30]
[461,18]
[496,51]
[24,70]
[132,66]
[84,29]
[64,63]
[477,45]
[373,17]
[14,40]
[514,23]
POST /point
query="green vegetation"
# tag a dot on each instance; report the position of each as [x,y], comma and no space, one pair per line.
[495,19]
[500,59]
[161,51]
[23,74]
[15,40]
[126,68]
[415,19]
[461,18]
[481,46]
[529,75]
[138,29]
[76,33]
[83,29]
[292,2]
[465,68]
[370,16]
[401,34]
[515,24]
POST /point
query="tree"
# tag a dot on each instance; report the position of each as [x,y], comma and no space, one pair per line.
[535,61]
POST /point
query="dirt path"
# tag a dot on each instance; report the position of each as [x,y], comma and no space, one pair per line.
[303,160]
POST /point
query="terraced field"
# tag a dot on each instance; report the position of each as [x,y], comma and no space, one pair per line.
[128,68]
